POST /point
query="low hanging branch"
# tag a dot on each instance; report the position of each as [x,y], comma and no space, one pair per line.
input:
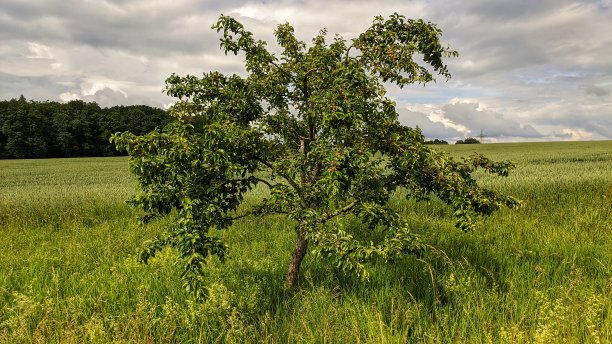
[314,121]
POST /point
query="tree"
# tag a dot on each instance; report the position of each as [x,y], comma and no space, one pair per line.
[35,129]
[138,119]
[313,126]
[23,128]
[435,142]
[468,141]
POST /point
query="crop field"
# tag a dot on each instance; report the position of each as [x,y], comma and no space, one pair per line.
[541,274]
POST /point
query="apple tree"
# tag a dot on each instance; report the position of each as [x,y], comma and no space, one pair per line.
[312,124]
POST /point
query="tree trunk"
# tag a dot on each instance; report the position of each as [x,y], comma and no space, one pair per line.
[296,259]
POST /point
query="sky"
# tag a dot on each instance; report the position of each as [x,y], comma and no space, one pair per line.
[527,70]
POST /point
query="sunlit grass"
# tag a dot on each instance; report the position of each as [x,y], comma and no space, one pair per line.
[68,272]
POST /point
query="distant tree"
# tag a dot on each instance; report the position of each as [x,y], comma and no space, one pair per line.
[65,143]
[33,129]
[23,129]
[435,142]
[314,127]
[469,140]
[137,119]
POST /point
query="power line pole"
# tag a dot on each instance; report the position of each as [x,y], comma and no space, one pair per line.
[481,136]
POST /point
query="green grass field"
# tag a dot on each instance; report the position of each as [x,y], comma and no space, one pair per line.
[542,274]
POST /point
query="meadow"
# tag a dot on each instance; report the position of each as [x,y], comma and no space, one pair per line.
[541,274]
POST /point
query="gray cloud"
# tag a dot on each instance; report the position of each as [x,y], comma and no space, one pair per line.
[492,123]
[159,28]
[593,118]
[430,129]
[32,87]
[537,68]
[596,90]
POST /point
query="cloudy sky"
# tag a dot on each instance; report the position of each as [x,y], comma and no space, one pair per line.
[528,70]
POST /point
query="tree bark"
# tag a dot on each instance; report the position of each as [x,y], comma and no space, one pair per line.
[296,259]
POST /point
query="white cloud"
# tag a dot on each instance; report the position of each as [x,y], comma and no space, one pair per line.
[436,115]
[39,51]
[577,134]
[430,129]
[492,123]
[67,96]
[92,85]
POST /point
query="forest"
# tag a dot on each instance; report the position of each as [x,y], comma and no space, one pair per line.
[48,129]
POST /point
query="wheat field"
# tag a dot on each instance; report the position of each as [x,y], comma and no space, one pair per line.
[542,274]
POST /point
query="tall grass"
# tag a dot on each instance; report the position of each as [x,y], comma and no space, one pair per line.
[542,274]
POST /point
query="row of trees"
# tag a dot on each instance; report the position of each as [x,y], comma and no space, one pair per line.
[435,142]
[31,129]
[468,141]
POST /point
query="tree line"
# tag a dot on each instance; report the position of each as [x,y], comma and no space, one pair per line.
[468,141]
[46,129]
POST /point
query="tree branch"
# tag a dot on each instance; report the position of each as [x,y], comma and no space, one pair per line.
[306,93]
[340,211]
[241,216]
[346,56]
[278,67]
[250,179]
[315,172]
[259,180]
[255,212]
[284,175]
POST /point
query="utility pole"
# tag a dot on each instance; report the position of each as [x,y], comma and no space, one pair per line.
[481,136]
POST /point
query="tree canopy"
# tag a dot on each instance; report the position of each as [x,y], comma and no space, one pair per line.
[34,129]
[435,142]
[468,141]
[313,125]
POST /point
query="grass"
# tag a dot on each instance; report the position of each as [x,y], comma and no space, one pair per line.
[542,274]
